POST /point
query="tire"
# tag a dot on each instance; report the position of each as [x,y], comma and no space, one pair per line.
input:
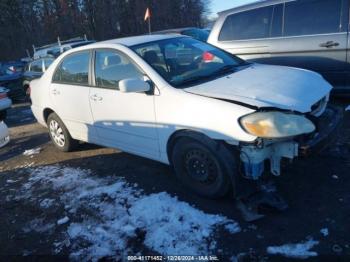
[59,134]
[206,167]
[3,115]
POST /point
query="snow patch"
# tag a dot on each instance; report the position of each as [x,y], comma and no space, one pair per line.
[38,225]
[300,250]
[31,152]
[47,203]
[107,214]
[347,108]
[62,220]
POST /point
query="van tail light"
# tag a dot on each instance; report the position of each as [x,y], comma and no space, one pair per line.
[3,95]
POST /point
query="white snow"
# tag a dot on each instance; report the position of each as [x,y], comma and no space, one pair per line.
[63,220]
[107,214]
[335,177]
[324,232]
[38,225]
[300,250]
[31,152]
[347,108]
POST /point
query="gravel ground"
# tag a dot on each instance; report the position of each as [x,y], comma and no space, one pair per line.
[37,219]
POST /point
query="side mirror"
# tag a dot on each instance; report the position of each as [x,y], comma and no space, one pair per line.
[133,85]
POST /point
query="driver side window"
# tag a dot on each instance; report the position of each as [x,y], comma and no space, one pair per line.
[111,67]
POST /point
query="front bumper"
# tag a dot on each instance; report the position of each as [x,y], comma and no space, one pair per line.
[327,126]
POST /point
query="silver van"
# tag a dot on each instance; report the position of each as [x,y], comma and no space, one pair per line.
[310,34]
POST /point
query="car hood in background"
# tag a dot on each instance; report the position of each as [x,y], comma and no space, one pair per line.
[10,77]
[268,86]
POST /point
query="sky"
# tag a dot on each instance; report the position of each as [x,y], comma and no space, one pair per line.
[220,5]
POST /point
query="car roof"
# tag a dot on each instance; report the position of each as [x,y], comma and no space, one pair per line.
[136,40]
[253,5]
[175,30]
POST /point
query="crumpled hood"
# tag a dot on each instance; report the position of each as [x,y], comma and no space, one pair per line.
[268,86]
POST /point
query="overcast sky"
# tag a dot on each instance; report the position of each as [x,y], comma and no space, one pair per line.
[220,5]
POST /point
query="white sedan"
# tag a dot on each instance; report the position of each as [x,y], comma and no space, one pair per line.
[186,103]
[5,103]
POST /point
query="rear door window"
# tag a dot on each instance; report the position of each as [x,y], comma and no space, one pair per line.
[74,69]
[252,24]
[309,17]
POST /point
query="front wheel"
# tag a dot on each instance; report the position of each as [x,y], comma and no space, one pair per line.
[59,134]
[203,167]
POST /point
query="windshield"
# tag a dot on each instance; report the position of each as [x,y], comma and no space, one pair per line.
[183,62]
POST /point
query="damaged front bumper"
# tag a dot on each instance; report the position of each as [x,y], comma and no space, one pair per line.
[327,127]
[254,156]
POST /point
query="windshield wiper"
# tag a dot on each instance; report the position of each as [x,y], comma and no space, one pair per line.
[225,69]
[193,80]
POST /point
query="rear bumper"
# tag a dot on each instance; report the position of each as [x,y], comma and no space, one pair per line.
[328,126]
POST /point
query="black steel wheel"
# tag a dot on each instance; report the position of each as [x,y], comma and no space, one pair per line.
[202,168]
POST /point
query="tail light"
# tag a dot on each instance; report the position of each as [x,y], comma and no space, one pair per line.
[3,95]
[207,57]
[12,69]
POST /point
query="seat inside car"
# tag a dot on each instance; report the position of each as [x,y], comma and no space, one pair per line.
[152,58]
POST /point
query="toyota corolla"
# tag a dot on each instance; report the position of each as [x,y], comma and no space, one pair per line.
[176,100]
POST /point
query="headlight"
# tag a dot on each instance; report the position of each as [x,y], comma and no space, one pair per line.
[276,124]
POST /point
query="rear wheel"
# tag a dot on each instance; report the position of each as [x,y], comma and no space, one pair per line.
[59,134]
[205,168]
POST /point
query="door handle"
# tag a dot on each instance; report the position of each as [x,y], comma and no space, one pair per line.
[329,44]
[96,97]
[55,92]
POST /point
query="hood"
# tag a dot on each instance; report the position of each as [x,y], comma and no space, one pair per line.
[10,77]
[268,86]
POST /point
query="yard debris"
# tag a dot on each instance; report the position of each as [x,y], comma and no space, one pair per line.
[324,232]
[31,152]
[299,250]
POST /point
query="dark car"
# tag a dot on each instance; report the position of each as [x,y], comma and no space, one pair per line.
[11,78]
[196,33]
[35,69]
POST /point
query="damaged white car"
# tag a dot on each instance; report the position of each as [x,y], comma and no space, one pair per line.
[186,103]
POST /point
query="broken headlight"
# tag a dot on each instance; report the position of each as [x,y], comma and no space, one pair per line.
[276,124]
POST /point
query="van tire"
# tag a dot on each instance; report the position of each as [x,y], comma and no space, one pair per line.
[60,135]
[205,167]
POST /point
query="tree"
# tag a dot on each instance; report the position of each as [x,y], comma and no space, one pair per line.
[27,22]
